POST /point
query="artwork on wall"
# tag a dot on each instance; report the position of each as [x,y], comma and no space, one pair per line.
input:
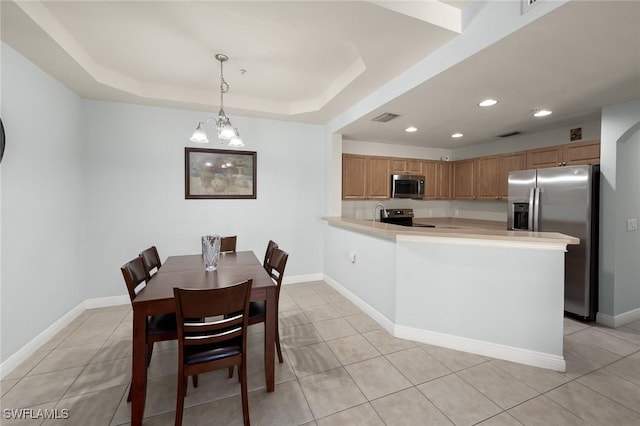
[219,173]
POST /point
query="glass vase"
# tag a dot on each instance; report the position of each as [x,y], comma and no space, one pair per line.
[211,251]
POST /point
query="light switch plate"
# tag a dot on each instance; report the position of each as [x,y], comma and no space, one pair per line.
[632,225]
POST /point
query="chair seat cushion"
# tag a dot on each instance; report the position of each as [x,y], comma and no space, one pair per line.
[207,353]
[257,309]
[164,323]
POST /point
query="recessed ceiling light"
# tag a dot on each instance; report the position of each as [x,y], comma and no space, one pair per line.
[457,135]
[539,112]
[411,129]
[488,102]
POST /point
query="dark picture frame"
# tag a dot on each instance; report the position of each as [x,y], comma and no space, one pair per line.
[219,174]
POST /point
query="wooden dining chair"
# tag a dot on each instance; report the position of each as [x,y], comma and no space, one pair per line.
[151,260]
[267,255]
[159,327]
[258,310]
[216,343]
[228,244]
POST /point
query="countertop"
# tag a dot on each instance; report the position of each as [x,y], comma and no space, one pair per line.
[452,228]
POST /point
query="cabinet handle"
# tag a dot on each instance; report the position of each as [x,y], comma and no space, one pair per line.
[559,164]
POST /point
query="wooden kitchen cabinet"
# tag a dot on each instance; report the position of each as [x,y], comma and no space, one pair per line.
[486,178]
[509,163]
[354,184]
[581,153]
[463,181]
[365,177]
[564,155]
[406,166]
[378,178]
[437,175]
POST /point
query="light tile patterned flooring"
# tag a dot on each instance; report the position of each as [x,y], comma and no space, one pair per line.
[340,368]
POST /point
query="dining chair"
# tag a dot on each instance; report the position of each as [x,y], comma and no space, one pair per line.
[258,310]
[228,244]
[159,327]
[267,255]
[216,343]
[151,260]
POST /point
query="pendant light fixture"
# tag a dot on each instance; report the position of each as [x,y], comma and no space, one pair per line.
[226,131]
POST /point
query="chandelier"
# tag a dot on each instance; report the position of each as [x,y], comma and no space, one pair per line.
[226,131]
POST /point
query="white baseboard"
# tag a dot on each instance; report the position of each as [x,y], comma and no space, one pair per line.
[302,278]
[105,302]
[384,322]
[508,353]
[32,346]
[493,350]
[618,320]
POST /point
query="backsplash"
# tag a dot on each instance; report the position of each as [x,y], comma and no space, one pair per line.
[446,208]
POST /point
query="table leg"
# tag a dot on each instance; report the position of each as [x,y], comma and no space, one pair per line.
[269,339]
[138,368]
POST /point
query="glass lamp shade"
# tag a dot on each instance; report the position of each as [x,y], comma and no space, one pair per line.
[226,132]
[236,141]
[199,135]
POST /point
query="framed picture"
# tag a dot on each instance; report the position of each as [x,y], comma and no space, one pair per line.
[219,173]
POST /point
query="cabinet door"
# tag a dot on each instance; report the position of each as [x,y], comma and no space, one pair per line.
[487,178]
[379,178]
[354,177]
[406,166]
[463,180]
[509,163]
[544,157]
[443,180]
[430,179]
[581,153]
[414,167]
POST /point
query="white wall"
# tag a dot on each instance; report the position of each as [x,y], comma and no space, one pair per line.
[43,215]
[136,190]
[619,199]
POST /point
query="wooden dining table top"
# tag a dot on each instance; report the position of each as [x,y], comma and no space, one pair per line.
[188,271]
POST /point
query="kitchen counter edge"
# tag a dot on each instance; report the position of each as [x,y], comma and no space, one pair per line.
[390,231]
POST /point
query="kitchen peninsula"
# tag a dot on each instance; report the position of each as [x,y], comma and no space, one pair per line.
[492,292]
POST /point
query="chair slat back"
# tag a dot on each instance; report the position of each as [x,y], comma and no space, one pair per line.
[228,244]
[228,306]
[135,276]
[151,260]
[277,264]
[267,255]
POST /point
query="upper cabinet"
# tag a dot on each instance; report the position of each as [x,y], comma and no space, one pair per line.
[406,166]
[365,177]
[509,163]
[484,178]
[463,182]
[437,175]
[564,155]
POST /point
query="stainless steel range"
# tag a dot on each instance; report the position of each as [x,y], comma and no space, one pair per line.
[402,217]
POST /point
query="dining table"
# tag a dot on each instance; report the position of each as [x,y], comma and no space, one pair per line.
[188,271]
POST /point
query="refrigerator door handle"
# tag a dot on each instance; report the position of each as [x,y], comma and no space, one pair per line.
[531,207]
[536,210]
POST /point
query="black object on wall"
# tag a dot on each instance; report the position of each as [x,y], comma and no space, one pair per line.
[1,140]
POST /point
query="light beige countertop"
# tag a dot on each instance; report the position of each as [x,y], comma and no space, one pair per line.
[452,228]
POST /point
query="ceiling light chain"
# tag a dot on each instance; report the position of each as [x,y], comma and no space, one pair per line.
[226,131]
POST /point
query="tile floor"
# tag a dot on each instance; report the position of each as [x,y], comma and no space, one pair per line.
[340,368]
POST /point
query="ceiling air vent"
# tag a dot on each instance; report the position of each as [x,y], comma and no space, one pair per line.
[387,116]
[508,135]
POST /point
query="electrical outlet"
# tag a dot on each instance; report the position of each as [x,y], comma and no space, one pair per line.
[632,225]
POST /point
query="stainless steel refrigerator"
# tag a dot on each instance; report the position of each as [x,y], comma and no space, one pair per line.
[565,200]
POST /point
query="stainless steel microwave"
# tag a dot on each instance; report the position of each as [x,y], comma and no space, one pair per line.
[407,186]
